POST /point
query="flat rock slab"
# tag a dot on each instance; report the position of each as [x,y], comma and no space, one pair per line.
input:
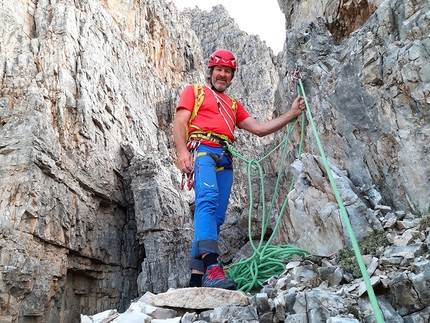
[198,298]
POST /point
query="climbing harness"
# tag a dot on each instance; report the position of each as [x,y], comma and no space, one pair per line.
[193,147]
[268,260]
[199,96]
[195,137]
[210,136]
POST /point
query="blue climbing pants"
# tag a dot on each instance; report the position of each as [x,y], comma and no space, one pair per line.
[213,171]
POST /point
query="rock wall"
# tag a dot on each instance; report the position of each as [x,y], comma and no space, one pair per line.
[90,212]
[81,82]
[370,99]
[340,17]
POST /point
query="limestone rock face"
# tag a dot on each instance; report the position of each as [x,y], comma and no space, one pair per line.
[370,98]
[80,81]
[91,214]
[341,17]
[314,196]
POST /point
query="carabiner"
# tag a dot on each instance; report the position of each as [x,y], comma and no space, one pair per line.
[191,180]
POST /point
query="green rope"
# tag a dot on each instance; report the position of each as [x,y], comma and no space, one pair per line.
[267,260]
[359,257]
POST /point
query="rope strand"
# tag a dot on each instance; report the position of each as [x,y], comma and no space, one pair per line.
[268,260]
[358,256]
[221,105]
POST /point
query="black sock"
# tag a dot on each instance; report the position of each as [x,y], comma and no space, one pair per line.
[196,280]
[210,259]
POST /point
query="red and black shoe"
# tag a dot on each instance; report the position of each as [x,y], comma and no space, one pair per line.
[215,277]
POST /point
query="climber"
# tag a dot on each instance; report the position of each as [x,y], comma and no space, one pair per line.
[200,145]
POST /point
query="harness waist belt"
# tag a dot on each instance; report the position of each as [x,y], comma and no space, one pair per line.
[219,139]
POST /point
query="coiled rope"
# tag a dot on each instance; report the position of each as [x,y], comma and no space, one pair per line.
[268,260]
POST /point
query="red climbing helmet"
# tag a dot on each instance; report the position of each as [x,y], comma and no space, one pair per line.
[222,57]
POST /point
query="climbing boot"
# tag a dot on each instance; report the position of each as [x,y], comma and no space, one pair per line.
[215,277]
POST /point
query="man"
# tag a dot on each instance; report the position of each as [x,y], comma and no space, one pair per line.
[200,144]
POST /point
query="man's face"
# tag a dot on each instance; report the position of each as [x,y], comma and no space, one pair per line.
[221,77]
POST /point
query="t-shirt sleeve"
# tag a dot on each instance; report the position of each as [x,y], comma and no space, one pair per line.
[186,100]
[241,113]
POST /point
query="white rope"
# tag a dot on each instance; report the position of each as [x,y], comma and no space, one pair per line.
[224,106]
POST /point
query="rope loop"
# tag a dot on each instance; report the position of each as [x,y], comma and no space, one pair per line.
[268,260]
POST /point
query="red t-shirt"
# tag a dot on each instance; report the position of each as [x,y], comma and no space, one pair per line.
[213,117]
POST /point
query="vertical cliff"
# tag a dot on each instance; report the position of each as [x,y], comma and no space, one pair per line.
[369,91]
[90,211]
[81,83]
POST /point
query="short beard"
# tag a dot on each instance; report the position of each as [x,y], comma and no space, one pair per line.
[209,72]
[214,87]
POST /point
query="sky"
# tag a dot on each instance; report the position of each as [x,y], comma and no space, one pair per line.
[263,18]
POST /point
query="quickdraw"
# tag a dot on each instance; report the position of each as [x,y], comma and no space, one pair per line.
[189,179]
[295,76]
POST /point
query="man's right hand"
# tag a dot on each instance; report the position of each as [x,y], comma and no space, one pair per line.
[298,106]
[185,162]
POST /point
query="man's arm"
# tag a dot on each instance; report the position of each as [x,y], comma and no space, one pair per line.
[262,129]
[180,126]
